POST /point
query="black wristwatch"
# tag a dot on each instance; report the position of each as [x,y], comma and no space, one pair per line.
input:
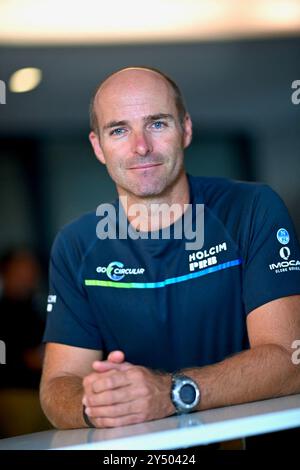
[185,393]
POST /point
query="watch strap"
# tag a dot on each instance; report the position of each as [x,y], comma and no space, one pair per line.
[86,418]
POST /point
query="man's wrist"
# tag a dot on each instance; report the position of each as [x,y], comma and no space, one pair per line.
[86,418]
[170,408]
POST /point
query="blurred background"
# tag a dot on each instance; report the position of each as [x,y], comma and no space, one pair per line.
[235,62]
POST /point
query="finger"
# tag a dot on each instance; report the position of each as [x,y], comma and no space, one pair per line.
[109,381]
[96,384]
[88,380]
[111,397]
[104,366]
[116,356]
[87,383]
[111,411]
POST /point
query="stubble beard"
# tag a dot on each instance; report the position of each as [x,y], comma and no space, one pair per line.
[147,186]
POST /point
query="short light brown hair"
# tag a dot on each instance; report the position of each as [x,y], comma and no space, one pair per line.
[179,101]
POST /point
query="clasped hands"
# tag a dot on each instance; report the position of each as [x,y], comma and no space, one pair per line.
[118,393]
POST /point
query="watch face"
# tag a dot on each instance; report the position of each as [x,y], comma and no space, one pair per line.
[187,394]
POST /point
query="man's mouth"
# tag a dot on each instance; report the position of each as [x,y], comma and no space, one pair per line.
[144,166]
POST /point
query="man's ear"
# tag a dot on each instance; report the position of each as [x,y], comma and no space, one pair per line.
[95,141]
[187,130]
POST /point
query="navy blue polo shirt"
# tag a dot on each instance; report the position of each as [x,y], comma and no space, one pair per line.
[165,306]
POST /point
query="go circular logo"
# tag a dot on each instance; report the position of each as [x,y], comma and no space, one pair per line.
[283,236]
[116,270]
[111,268]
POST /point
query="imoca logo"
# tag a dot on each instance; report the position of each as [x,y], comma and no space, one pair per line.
[116,271]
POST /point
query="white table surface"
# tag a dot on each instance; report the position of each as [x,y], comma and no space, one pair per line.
[199,428]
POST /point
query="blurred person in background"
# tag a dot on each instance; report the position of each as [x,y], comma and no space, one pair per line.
[21,328]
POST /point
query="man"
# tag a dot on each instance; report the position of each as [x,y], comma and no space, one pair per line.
[223,317]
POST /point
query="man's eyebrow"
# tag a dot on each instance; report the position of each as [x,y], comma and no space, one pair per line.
[111,124]
[155,117]
[149,118]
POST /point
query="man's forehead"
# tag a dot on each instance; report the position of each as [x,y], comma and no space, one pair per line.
[133,84]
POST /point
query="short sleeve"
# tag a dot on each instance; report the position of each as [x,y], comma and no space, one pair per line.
[69,317]
[272,261]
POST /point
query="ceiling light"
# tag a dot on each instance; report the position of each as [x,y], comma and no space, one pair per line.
[95,22]
[25,80]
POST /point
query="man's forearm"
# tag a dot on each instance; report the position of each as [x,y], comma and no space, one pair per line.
[61,400]
[256,374]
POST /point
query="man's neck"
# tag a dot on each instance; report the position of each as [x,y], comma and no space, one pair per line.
[153,213]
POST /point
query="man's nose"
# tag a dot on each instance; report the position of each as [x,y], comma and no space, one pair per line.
[141,143]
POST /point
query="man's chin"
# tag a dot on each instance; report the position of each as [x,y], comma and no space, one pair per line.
[147,191]
[146,194]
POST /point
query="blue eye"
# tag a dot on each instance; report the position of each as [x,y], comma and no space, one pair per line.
[118,131]
[158,125]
